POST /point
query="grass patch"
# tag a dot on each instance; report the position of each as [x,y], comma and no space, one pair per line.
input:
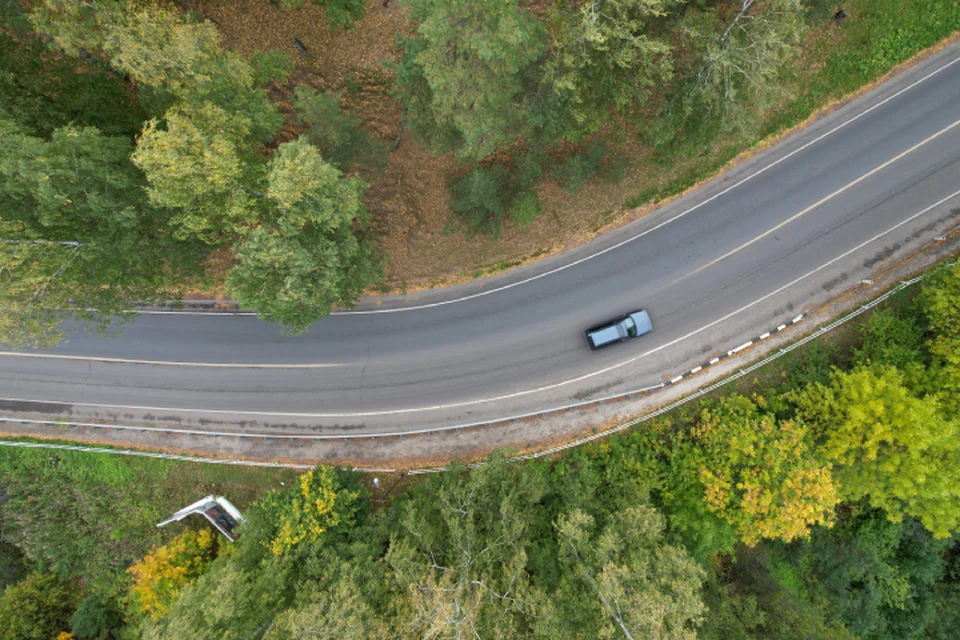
[88,516]
[876,36]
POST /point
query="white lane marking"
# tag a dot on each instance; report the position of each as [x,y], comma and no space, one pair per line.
[764,336]
[480,294]
[455,405]
[818,203]
[212,314]
[740,348]
[165,363]
[759,172]
[695,370]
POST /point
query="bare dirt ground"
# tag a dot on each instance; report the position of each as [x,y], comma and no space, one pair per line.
[424,246]
[408,202]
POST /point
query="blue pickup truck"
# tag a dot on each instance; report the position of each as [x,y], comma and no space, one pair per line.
[629,326]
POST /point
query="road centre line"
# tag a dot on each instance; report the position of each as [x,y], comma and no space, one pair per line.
[455,405]
[820,202]
[682,214]
[166,363]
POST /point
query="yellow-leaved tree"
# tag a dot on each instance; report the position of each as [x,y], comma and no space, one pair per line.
[161,574]
[321,501]
[762,474]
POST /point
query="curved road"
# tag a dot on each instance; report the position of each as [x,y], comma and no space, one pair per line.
[825,208]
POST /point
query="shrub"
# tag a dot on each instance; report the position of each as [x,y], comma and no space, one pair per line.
[270,66]
[338,134]
[36,608]
[477,198]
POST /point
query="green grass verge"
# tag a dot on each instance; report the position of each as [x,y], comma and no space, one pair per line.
[88,516]
[876,36]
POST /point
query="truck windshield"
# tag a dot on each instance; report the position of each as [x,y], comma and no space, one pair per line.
[631,327]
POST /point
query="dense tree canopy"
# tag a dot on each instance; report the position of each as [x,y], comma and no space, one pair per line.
[602,60]
[889,445]
[78,232]
[462,76]
[198,176]
[760,474]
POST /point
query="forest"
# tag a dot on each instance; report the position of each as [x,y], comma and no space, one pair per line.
[143,161]
[820,500]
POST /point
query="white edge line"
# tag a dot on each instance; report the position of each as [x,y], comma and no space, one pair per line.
[165,363]
[723,192]
[455,405]
[569,445]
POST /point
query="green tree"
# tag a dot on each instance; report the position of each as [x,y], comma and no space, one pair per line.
[888,445]
[462,76]
[761,475]
[78,233]
[170,57]
[36,608]
[173,56]
[339,609]
[622,580]
[940,303]
[271,67]
[601,59]
[305,257]
[458,552]
[43,91]
[195,167]
[891,337]
[733,52]
[877,577]
[96,618]
[758,595]
[77,27]
[338,134]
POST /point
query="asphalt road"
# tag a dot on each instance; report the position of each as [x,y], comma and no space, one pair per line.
[779,234]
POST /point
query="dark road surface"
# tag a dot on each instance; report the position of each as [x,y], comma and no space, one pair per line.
[829,206]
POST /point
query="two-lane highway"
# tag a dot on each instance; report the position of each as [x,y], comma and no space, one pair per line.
[827,207]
